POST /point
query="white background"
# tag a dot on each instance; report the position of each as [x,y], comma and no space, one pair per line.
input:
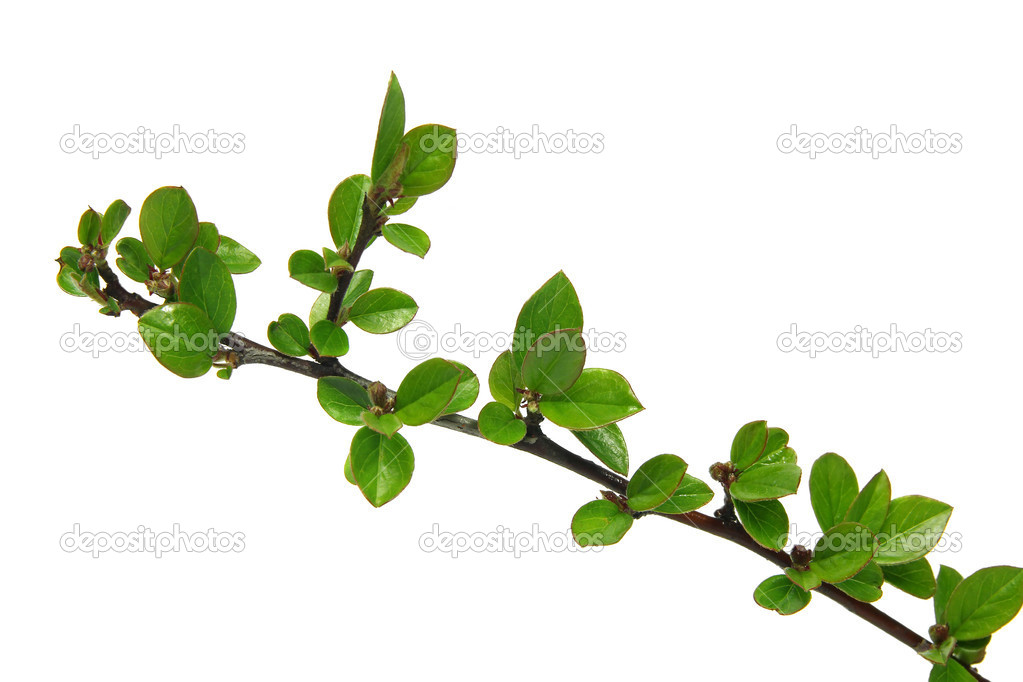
[690,232]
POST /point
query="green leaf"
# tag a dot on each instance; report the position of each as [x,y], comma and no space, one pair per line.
[390,128]
[238,259]
[598,398]
[169,225]
[344,211]
[972,652]
[913,528]
[766,522]
[767,482]
[777,441]
[778,593]
[554,306]
[749,444]
[690,495]
[431,159]
[343,399]
[330,340]
[181,337]
[948,579]
[985,602]
[655,481]
[871,505]
[608,445]
[915,578]
[113,221]
[600,523]
[400,206]
[224,373]
[381,466]
[382,311]
[69,279]
[407,238]
[833,488]
[307,267]
[866,585]
[349,476]
[89,226]
[358,285]
[843,551]
[500,425]
[466,392]
[209,237]
[426,391]
[808,580]
[386,424]
[289,335]
[332,259]
[952,672]
[554,362]
[206,282]
[504,379]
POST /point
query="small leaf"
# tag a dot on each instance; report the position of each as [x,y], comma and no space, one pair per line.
[500,425]
[169,225]
[70,281]
[504,379]
[330,340]
[401,206]
[554,306]
[209,237]
[554,362]
[134,261]
[948,579]
[985,602]
[238,259]
[407,238]
[181,337]
[808,580]
[224,373]
[466,392]
[952,672]
[390,129]
[833,488]
[871,505]
[349,476]
[332,259]
[915,578]
[431,159]
[767,482]
[972,652]
[206,282]
[655,481]
[113,220]
[749,444]
[766,522]
[843,551]
[426,391]
[598,398]
[386,424]
[600,523]
[343,399]
[690,495]
[382,466]
[608,445]
[382,311]
[344,211]
[359,284]
[866,585]
[289,335]
[913,528]
[778,593]
[307,267]
[89,226]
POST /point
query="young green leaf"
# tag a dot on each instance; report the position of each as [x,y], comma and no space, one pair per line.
[400,206]
[608,445]
[386,424]
[655,481]
[749,444]
[390,129]
[209,237]
[89,226]
[554,362]
[948,579]
[382,311]
[843,551]
[600,523]
[70,281]
[466,392]
[808,580]
[500,425]
[972,652]
[330,340]
[426,391]
[407,238]
[332,259]
[866,585]
[307,267]
[349,476]
[343,399]
[431,159]
[871,505]
[359,284]
[767,482]
[169,225]
[833,488]
[913,528]
[690,495]
[344,211]
[206,282]
[984,602]
[766,522]
[778,593]
[951,672]
[915,578]
[238,259]
[777,441]
[598,398]
[113,220]
[289,335]
[504,379]
[134,261]
[181,337]
[553,306]
[381,466]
